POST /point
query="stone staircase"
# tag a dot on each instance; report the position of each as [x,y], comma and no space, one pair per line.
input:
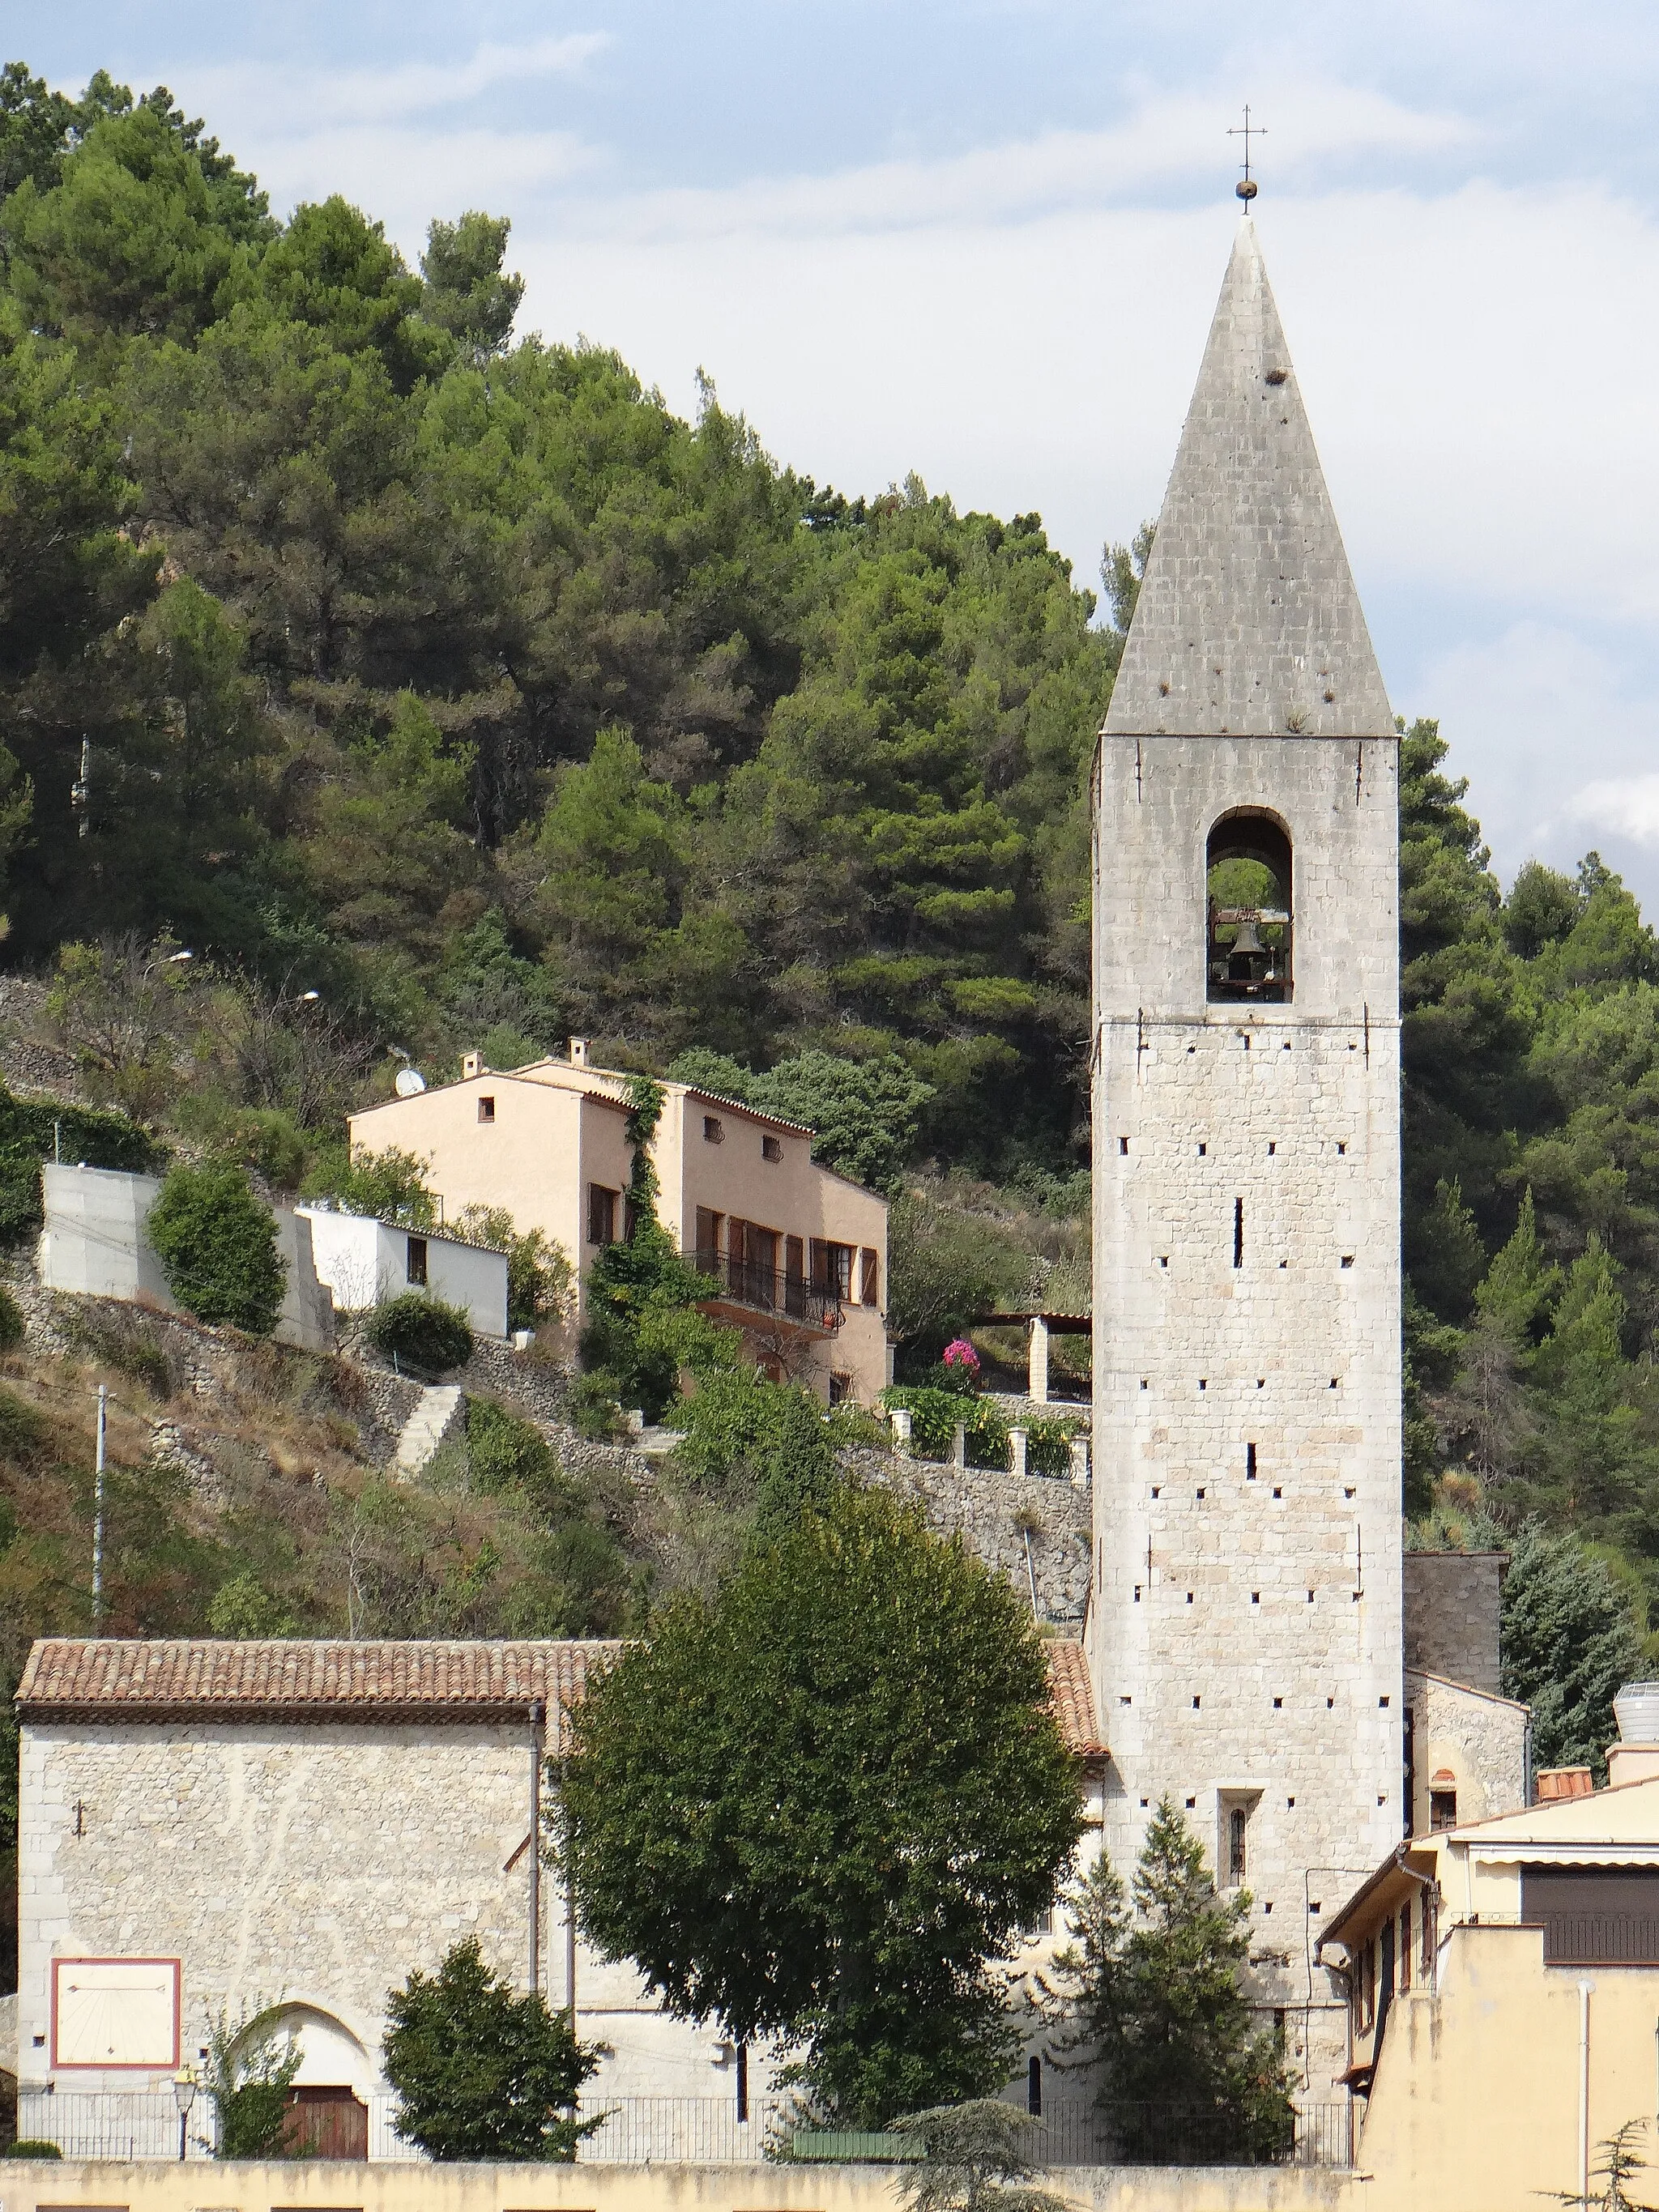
[436,1412]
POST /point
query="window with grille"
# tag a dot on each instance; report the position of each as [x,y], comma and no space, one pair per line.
[414,1262]
[1236,1854]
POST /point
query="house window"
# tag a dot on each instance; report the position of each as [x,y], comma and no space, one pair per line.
[708,1240]
[1405,1945]
[832,1269]
[1248,908]
[794,1276]
[601,1214]
[869,1278]
[1237,1822]
[1431,1904]
[486,1110]
[1443,1803]
[771,1148]
[841,1389]
[1034,2087]
[1368,1994]
[415,1262]
[714,1129]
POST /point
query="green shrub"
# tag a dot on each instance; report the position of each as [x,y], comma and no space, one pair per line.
[243,1607]
[11,1321]
[592,1407]
[481,2072]
[539,1275]
[730,1419]
[218,1245]
[31,2146]
[935,1416]
[506,1452]
[422,1333]
[251,2068]
[1049,1444]
[390,1185]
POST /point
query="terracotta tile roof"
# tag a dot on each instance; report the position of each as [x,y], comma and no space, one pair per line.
[1074,1699]
[74,1678]
[69,1677]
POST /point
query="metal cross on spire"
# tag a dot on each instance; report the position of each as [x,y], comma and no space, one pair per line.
[1247,131]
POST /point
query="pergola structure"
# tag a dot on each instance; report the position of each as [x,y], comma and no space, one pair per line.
[1039,1327]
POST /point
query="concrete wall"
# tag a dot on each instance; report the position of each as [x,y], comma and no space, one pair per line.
[1480,1740]
[363,1261]
[1246,1632]
[1450,1603]
[1475,2100]
[93,1245]
[320,2185]
[311,1863]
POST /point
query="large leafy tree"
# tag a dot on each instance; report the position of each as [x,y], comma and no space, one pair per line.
[820,1805]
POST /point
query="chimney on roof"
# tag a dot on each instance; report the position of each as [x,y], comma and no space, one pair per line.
[1635,1757]
[1555,1783]
[471,1064]
[579,1051]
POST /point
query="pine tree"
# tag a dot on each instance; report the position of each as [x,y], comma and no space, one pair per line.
[1158,1992]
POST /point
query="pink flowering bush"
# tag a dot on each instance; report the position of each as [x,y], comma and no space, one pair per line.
[961,1364]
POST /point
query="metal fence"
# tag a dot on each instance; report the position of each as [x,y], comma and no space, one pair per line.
[121,2123]
[701,2132]
[706,2130]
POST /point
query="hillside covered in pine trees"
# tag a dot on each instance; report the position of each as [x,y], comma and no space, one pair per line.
[362,649]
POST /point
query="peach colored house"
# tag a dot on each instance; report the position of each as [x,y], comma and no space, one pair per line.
[800,1252]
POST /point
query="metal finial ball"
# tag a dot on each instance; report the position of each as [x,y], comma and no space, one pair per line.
[1247,189]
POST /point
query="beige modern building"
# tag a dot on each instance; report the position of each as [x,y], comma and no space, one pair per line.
[801,1253]
[1502,1979]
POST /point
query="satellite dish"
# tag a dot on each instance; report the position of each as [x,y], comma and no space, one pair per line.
[410,1083]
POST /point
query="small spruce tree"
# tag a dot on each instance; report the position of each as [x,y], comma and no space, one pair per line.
[801,1470]
[1158,1992]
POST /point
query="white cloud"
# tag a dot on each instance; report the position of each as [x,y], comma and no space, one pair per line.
[1624,806]
[290,102]
[1167,140]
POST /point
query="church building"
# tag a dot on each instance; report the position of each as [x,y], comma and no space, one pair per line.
[1245,1633]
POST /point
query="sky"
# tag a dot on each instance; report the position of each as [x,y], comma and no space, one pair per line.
[982,242]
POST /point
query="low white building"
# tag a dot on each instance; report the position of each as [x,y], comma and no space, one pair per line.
[208,1827]
[93,1245]
[363,1261]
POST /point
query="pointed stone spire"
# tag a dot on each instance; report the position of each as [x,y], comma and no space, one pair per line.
[1248,623]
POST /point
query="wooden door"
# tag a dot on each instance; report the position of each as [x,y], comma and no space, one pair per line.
[326,2121]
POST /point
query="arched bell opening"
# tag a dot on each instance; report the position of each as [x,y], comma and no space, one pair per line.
[1249,916]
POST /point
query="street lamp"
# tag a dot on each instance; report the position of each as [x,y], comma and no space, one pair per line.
[183,2095]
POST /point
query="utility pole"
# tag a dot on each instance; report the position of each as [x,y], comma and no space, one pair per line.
[98,1514]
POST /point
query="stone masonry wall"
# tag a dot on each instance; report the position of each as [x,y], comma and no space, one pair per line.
[1481,1740]
[1451,1601]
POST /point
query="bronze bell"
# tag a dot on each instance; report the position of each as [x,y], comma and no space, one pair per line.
[1247,940]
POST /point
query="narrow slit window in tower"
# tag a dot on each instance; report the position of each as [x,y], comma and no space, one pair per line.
[1249,1462]
[1238,1232]
[1235,1853]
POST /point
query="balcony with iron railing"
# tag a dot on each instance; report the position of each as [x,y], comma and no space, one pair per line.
[764,1289]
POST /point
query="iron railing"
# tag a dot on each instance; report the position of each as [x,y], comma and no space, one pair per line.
[129,2125]
[773,1290]
[133,2123]
[1069,2132]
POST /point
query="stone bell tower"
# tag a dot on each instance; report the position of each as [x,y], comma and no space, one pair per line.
[1245,1623]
